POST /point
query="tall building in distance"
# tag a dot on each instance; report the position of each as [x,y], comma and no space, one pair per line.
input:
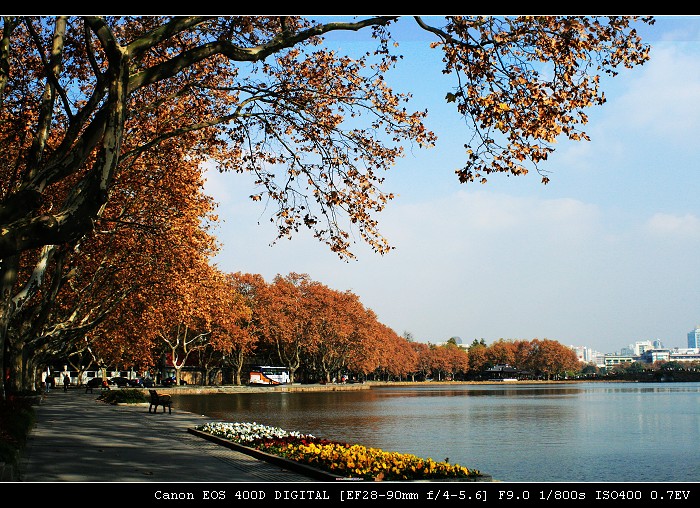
[694,338]
[640,346]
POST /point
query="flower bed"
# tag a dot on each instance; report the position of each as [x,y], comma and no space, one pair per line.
[342,459]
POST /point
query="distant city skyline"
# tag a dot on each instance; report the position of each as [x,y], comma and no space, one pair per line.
[695,332]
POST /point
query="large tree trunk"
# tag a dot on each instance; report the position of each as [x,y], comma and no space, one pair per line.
[8,277]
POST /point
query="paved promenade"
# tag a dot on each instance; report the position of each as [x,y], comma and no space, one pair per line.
[78,439]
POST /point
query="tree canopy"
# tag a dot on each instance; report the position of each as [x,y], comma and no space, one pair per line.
[94,110]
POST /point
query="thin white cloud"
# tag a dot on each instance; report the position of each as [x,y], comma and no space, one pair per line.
[662,98]
[684,226]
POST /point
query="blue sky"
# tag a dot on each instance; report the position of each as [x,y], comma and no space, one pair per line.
[604,255]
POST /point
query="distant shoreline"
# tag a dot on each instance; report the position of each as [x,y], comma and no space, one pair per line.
[332,387]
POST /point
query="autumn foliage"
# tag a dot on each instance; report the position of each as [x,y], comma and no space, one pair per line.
[319,333]
[106,124]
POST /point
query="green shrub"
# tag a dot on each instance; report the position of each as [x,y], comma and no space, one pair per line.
[129,396]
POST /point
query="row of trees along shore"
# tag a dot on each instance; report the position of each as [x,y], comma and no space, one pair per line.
[319,333]
[107,125]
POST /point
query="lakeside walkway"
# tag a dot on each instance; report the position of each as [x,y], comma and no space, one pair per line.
[79,439]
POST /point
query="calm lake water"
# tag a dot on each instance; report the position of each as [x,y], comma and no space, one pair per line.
[587,432]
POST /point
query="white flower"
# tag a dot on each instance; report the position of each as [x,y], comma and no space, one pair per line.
[247,432]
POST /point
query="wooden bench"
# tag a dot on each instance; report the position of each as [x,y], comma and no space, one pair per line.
[160,399]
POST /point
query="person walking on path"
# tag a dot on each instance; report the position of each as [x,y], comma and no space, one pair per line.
[46,380]
[66,381]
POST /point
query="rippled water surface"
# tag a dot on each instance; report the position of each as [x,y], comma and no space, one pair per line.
[588,432]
